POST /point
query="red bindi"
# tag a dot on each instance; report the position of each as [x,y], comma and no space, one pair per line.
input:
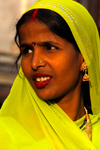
[33,43]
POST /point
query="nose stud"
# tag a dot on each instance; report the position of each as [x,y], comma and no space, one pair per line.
[40,61]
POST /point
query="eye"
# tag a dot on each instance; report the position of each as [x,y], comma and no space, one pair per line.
[30,51]
[27,51]
[51,47]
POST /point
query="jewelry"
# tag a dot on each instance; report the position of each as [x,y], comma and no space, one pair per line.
[85,77]
[40,61]
[33,43]
[83,124]
[87,121]
[88,127]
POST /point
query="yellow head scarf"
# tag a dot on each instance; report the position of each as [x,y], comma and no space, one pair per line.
[28,123]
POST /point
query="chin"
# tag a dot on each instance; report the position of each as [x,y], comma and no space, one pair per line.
[45,93]
[44,96]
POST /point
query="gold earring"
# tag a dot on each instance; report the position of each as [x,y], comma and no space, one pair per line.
[40,61]
[85,77]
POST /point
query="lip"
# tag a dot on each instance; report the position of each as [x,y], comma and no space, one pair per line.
[42,84]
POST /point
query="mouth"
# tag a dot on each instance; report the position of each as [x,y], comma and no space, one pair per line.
[41,80]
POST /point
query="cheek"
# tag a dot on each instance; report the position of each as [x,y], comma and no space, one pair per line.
[25,67]
[68,69]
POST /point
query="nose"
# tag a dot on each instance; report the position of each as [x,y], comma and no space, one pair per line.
[37,60]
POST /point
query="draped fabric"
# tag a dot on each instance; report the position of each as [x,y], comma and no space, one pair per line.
[27,122]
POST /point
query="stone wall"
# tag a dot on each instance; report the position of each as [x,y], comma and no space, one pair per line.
[93,6]
[10,12]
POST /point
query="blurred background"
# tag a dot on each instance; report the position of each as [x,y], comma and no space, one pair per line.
[10,12]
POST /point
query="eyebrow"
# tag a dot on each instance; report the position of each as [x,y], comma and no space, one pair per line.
[47,43]
[40,44]
[25,45]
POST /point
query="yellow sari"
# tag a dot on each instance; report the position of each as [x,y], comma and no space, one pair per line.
[28,123]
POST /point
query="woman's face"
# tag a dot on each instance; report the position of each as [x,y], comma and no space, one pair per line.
[58,76]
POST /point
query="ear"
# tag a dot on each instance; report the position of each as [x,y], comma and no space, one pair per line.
[82,61]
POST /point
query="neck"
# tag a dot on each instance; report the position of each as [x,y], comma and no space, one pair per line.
[73,105]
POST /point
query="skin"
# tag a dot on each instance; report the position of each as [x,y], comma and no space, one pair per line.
[60,60]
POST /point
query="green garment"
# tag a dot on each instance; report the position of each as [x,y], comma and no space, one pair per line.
[29,123]
[95,129]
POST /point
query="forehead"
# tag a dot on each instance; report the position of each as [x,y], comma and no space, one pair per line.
[32,28]
[33,24]
[36,31]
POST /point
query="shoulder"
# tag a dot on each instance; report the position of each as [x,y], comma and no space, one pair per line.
[5,140]
[96,131]
[96,124]
[12,134]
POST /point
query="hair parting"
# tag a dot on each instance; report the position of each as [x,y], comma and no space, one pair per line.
[34,14]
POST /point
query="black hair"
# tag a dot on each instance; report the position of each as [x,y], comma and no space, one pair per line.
[57,25]
[53,21]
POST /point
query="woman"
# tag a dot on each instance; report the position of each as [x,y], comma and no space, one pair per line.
[45,108]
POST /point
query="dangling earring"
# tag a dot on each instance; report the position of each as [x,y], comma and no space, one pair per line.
[88,127]
[85,77]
